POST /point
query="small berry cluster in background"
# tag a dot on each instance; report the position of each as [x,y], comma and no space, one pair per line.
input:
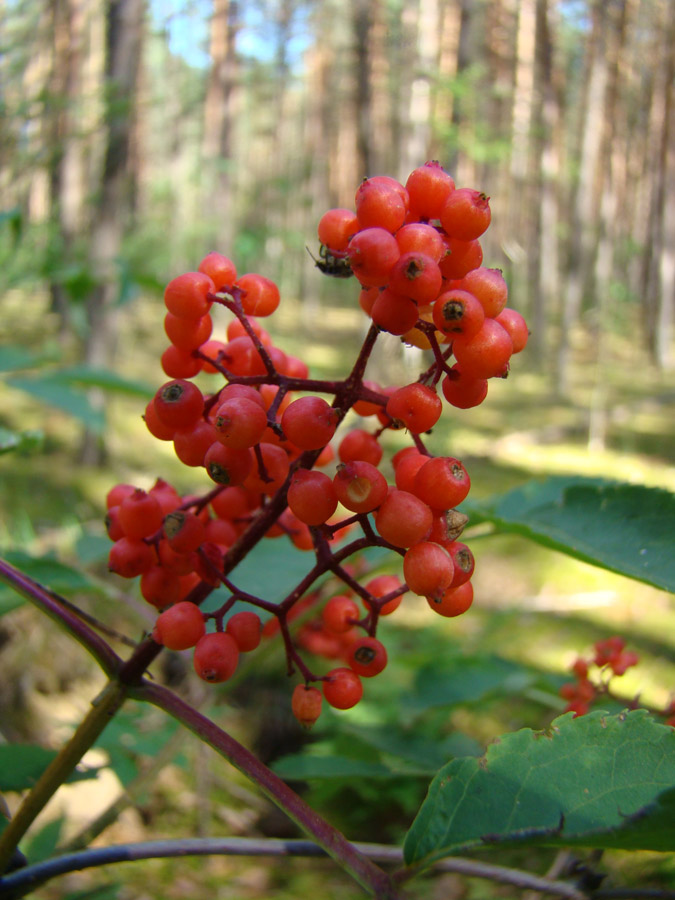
[593,677]
[265,438]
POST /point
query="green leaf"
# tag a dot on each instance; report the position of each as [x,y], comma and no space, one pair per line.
[625,528]
[416,749]
[22,764]
[297,767]
[131,735]
[64,397]
[48,572]
[44,842]
[21,441]
[89,376]
[100,892]
[465,679]
[594,780]
[271,574]
[14,358]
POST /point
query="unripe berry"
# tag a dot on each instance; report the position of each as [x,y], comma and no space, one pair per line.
[306,704]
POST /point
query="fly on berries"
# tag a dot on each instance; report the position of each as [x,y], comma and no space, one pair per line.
[329,264]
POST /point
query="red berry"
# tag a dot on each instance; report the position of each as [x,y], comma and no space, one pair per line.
[160,587]
[191,444]
[180,626]
[454,601]
[394,313]
[240,422]
[360,444]
[418,237]
[372,253]
[465,214]
[458,312]
[216,657]
[516,327]
[416,406]
[177,363]
[428,187]
[140,515]
[403,519]
[336,227]
[487,353]
[428,569]
[179,403]
[461,257]
[463,560]
[130,557]
[117,494]
[382,586]
[442,482]
[407,467]
[231,503]
[184,531]
[187,334]
[269,478]
[340,613]
[227,465]
[154,424]
[342,688]
[312,497]
[379,205]
[462,391]
[489,286]
[186,296]
[417,276]
[246,628]
[309,422]
[220,270]
[359,486]
[261,296]
[367,657]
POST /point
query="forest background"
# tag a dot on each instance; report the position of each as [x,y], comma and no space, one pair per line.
[135,137]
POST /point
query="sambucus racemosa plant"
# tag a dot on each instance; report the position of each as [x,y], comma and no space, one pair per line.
[269,466]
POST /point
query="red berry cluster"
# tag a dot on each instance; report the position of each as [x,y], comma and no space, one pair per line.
[265,437]
[416,252]
[593,676]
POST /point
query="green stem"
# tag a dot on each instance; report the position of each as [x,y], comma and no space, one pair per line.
[103,709]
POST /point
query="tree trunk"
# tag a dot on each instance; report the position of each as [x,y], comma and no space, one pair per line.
[220,113]
[114,203]
[583,222]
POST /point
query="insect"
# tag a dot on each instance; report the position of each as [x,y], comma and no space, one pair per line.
[328,264]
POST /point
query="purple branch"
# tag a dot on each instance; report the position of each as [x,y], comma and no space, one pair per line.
[50,603]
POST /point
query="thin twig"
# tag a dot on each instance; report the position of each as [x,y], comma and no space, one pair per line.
[21,882]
